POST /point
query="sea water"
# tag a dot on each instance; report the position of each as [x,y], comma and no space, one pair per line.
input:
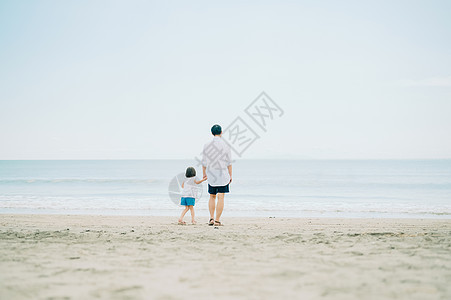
[264,188]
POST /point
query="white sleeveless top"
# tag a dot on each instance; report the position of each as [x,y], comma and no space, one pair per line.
[190,188]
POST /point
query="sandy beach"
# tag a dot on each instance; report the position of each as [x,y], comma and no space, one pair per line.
[115,257]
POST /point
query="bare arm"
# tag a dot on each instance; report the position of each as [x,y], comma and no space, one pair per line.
[204,171]
[200,181]
[229,168]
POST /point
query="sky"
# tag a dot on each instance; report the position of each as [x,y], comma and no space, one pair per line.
[147,79]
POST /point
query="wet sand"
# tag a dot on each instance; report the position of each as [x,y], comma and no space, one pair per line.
[115,257]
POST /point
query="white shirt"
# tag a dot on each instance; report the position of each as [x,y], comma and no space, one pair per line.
[216,157]
[190,188]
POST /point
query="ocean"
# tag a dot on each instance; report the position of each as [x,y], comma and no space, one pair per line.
[260,188]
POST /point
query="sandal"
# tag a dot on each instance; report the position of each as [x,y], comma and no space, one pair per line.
[182,223]
[211,222]
[217,223]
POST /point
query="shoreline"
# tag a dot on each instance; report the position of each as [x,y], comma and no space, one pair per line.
[203,213]
[141,257]
[240,219]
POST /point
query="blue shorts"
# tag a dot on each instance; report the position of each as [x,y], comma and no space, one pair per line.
[187,201]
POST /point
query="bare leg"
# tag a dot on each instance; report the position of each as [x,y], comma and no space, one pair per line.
[183,213]
[191,208]
[211,206]
[219,206]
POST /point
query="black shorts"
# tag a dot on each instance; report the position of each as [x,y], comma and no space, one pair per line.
[218,189]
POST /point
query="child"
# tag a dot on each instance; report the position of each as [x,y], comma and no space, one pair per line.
[189,193]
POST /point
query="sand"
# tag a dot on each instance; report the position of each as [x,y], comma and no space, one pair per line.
[115,257]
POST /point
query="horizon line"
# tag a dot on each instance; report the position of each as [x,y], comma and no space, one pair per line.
[281,159]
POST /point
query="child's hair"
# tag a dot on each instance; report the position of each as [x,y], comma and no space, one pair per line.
[190,172]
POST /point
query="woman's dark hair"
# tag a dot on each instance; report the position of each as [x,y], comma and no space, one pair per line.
[216,129]
[190,172]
